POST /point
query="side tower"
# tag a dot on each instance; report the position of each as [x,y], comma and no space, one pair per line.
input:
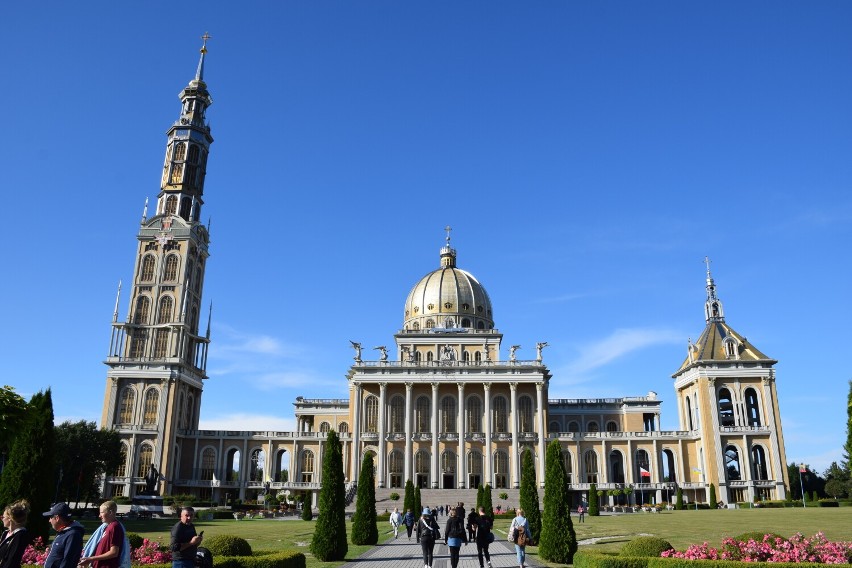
[157,358]
[726,395]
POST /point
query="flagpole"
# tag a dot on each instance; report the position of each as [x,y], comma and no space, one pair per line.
[802,468]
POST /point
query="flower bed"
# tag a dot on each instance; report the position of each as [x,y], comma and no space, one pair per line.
[797,549]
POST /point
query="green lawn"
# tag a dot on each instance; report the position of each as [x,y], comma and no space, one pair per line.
[681,528]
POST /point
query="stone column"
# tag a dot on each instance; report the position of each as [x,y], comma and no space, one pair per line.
[716,448]
[408,433]
[356,435]
[461,482]
[769,413]
[516,458]
[382,445]
[542,428]
[435,457]
[489,478]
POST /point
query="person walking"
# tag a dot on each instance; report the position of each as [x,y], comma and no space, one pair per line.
[185,541]
[15,537]
[581,511]
[471,524]
[484,536]
[521,535]
[427,533]
[68,544]
[456,535]
[395,519]
[106,550]
[408,521]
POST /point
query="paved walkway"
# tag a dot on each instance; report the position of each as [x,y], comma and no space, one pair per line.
[402,553]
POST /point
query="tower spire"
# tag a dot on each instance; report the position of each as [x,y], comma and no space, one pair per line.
[713,311]
[448,253]
[199,73]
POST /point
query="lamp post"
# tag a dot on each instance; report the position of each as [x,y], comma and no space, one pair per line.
[802,469]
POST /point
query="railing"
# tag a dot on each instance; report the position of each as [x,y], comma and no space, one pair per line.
[599,401]
[599,435]
[738,429]
[259,434]
[456,363]
[422,437]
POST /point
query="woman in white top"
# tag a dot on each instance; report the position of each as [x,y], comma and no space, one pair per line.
[519,526]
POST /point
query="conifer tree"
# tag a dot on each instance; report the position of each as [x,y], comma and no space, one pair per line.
[529,495]
[847,447]
[479,491]
[679,502]
[329,540]
[418,504]
[30,472]
[408,502]
[487,503]
[558,540]
[364,530]
[713,496]
[594,511]
[307,513]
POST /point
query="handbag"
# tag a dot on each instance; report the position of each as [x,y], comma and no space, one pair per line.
[490,538]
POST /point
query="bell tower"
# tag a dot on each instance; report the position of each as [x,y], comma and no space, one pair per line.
[158,357]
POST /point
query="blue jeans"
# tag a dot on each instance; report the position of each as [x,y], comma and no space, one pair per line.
[522,554]
[183,564]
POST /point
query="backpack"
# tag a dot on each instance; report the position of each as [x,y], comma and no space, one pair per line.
[429,531]
[124,558]
[522,537]
[203,558]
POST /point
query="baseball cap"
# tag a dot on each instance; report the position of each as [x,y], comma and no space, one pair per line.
[62,509]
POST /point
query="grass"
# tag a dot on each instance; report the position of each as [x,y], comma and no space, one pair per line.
[261,534]
[681,528]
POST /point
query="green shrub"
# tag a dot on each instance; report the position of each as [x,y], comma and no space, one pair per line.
[122,500]
[757,536]
[828,503]
[645,546]
[284,559]
[594,511]
[394,496]
[135,540]
[607,560]
[228,545]
[503,495]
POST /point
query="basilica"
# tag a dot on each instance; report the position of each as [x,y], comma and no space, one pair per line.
[447,406]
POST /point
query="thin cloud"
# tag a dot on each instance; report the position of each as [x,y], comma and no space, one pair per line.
[618,344]
[565,298]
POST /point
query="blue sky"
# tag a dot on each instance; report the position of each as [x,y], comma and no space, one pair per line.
[587,154]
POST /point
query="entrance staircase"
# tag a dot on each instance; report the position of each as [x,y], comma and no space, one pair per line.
[437,497]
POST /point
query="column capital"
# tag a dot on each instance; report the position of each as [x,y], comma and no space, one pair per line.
[409,386]
[711,381]
[513,386]
[487,386]
[460,386]
[114,380]
[435,386]
[539,387]
[357,385]
[383,386]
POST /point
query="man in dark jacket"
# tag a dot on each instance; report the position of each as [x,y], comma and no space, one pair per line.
[67,546]
[185,541]
[472,522]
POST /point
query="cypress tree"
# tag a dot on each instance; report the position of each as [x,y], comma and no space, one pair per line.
[558,540]
[487,503]
[529,495]
[847,447]
[364,529]
[408,502]
[593,500]
[329,540]
[713,496]
[418,504]
[479,496]
[307,513]
[679,502]
[30,472]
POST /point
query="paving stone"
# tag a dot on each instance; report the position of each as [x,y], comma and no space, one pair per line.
[402,553]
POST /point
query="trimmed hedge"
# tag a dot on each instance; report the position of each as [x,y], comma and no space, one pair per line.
[284,559]
[645,546]
[610,560]
[228,545]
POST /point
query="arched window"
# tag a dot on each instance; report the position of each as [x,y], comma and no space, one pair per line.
[416,327]
[590,460]
[257,465]
[726,408]
[233,465]
[152,403]
[161,343]
[525,414]
[554,426]
[148,265]
[307,466]
[172,262]
[477,357]
[448,462]
[180,152]
[171,204]
[190,411]
[689,414]
[592,427]
[281,473]
[465,322]
[143,309]
[121,470]
[177,176]
[573,426]
[146,457]
[125,406]
[669,474]
[325,427]
[480,325]
[642,471]
[758,463]
[430,324]
[422,468]
[500,416]
[752,407]
[569,465]
[343,428]
[448,414]
[164,314]
[474,462]
[611,426]
[208,464]
[395,468]
[430,356]
[466,357]
[186,202]
[422,414]
[501,469]
[371,414]
[397,415]
[616,467]
[732,463]
[474,414]
[697,414]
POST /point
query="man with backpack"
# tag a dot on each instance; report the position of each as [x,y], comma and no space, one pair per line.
[427,533]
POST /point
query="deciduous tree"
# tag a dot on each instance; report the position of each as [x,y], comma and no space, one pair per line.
[84,453]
